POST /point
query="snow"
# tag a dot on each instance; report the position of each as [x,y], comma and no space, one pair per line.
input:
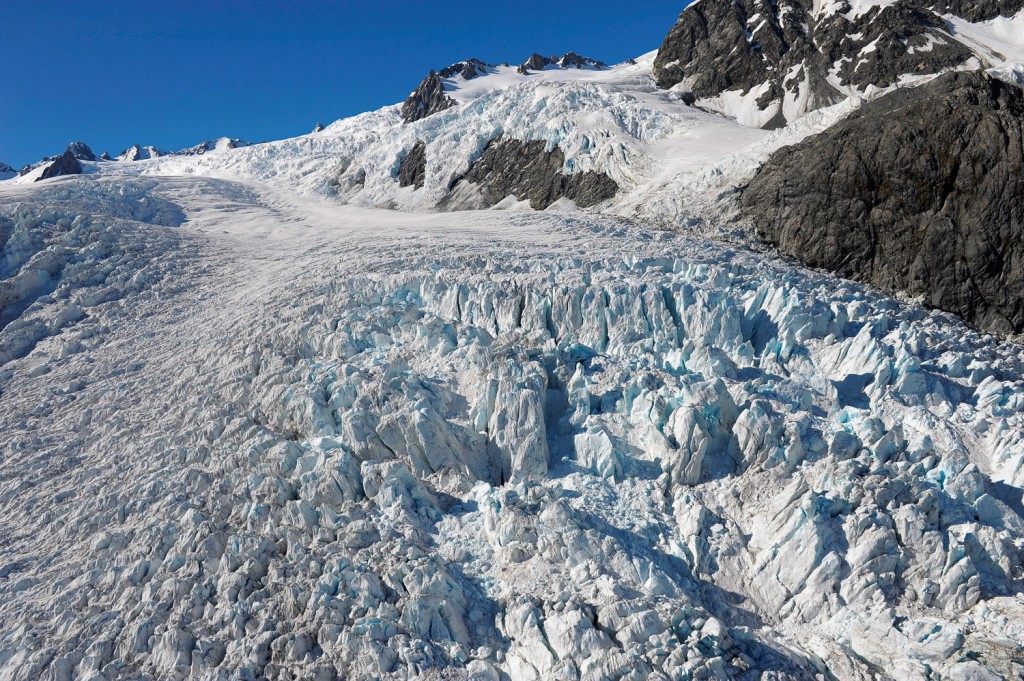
[256,423]
[999,42]
[264,432]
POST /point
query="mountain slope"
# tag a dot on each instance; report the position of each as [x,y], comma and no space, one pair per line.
[920,191]
[770,63]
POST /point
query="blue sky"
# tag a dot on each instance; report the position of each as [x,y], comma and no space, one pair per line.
[114,73]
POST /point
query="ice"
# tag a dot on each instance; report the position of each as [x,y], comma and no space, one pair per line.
[256,427]
[405,443]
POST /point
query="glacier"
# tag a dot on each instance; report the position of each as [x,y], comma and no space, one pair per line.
[266,413]
[251,434]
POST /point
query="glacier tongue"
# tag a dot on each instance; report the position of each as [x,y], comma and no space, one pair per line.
[410,446]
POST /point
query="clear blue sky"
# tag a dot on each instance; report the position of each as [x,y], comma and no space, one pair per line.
[171,73]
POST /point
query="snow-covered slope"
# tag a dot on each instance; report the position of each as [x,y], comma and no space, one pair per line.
[613,121]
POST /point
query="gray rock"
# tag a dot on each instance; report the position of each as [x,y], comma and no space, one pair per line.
[413,168]
[81,151]
[319,127]
[920,191]
[427,99]
[980,10]
[570,60]
[105,156]
[528,171]
[66,164]
[7,171]
[469,69]
[535,63]
[722,45]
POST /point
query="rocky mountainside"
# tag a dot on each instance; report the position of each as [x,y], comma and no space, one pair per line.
[7,172]
[770,63]
[920,191]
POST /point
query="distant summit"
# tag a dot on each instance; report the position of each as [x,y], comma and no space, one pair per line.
[430,98]
[570,60]
[219,144]
[81,151]
[139,153]
[7,172]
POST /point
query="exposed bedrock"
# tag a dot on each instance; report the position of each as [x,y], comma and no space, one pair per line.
[413,168]
[921,191]
[785,53]
[66,164]
[530,172]
[428,98]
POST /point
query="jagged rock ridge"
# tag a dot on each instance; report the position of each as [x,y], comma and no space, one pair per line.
[794,56]
[430,98]
[427,99]
[920,191]
[570,60]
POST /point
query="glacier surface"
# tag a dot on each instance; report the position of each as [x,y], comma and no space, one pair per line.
[250,434]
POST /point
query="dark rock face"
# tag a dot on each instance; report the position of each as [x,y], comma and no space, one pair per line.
[469,69]
[570,60]
[429,98]
[66,164]
[413,169]
[980,10]
[105,156]
[920,191]
[319,127]
[81,151]
[722,45]
[7,171]
[526,170]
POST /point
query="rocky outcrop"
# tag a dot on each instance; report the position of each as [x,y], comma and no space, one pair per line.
[319,127]
[921,191]
[139,153]
[6,171]
[427,99]
[206,146]
[980,10]
[570,60]
[469,69]
[531,172]
[794,56]
[105,156]
[413,168]
[81,151]
[66,164]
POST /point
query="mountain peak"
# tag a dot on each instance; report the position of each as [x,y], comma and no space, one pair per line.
[429,98]
[81,151]
[570,60]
